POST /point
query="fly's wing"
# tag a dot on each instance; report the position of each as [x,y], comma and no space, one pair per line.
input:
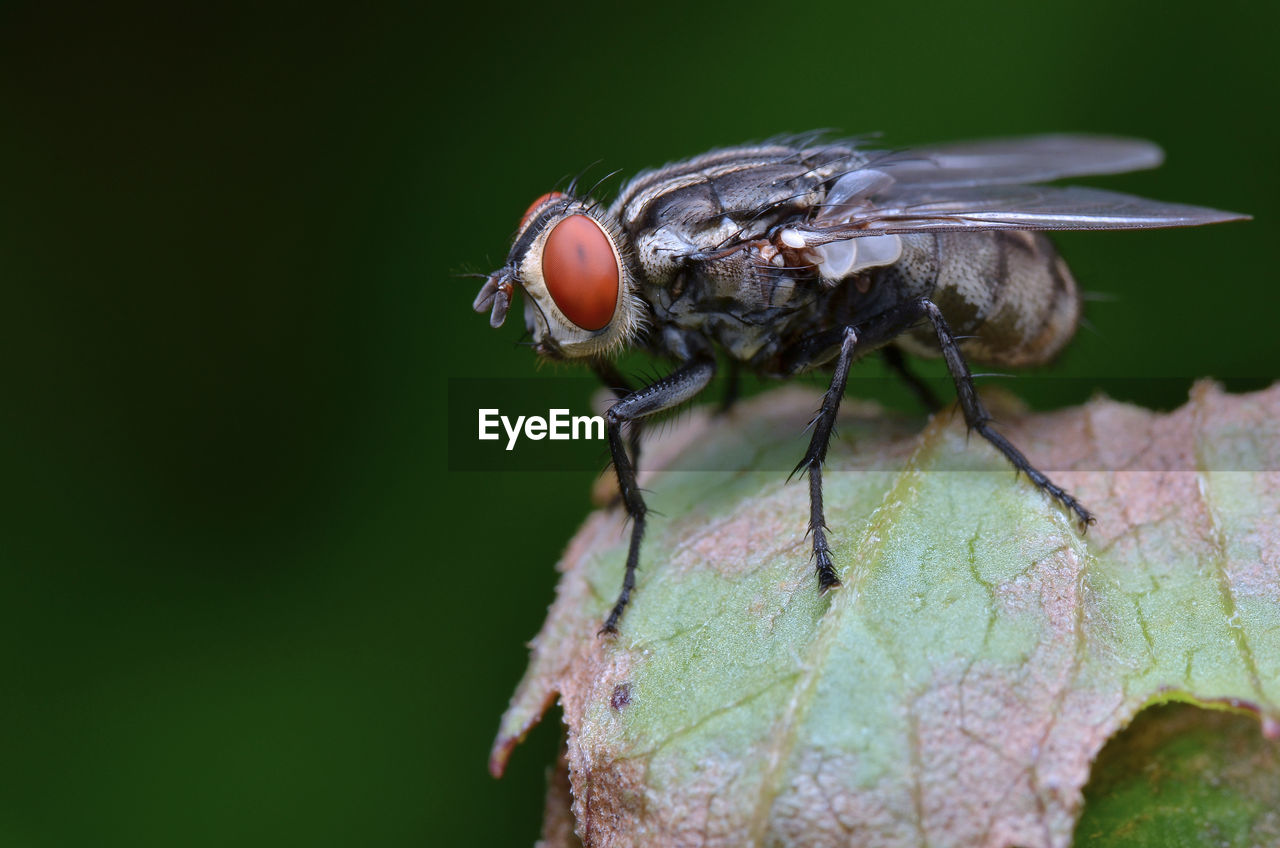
[983,186]
[1037,159]
[1001,207]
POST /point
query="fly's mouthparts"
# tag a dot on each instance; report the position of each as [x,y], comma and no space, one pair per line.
[497,292]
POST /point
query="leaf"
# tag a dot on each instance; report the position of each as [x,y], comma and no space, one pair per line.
[956,689]
[1182,776]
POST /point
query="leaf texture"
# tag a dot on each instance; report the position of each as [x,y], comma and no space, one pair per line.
[957,688]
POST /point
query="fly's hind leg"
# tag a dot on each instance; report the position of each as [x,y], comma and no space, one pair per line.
[897,363]
[672,390]
[976,416]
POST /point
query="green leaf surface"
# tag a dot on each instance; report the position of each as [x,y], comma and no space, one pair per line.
[958,686]
[1180,777]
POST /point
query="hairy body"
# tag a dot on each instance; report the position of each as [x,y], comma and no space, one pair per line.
[796,255]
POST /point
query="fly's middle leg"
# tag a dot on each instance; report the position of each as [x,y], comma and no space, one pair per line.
[844,345]
[732,387]
[823,424]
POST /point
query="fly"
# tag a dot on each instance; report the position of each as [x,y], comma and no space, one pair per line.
[797,254]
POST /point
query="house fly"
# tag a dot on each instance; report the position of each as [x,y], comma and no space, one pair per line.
[800,254]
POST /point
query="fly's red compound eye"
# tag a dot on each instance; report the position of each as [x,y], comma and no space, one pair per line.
[581,272]
[533,207]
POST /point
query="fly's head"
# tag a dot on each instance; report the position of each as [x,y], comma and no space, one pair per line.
[573,262]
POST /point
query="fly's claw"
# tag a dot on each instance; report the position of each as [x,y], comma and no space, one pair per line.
[827,579]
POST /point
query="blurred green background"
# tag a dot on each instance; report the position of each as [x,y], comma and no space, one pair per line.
[242,599]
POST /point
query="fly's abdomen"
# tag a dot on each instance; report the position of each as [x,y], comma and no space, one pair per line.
[1008,290]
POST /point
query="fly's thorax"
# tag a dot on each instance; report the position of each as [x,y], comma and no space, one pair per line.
[747,302]
[1007,290]
[574,264]
[731,195]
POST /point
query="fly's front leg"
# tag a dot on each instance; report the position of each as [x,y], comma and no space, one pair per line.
[672,390]
[613,380]
[976,416]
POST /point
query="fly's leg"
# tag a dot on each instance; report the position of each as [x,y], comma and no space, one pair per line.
[823,423]
[897,363]
[613,380]
[733,385]
[672,390]
[976,416]
[844,345]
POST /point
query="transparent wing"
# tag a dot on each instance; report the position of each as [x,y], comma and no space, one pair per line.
[907,209]
[981,185]
[1035,159]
